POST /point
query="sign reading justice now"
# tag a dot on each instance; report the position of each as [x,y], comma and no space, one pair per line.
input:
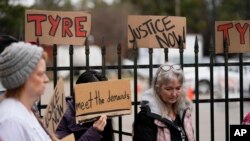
[237,34]
[110,97]
[56,108]
[57,27]
[156,31]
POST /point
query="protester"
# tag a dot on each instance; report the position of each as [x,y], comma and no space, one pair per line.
[5,40]
[23,74]
[100,130]
[165,110]
[246,119]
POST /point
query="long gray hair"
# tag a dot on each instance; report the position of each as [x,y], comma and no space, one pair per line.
[166,76]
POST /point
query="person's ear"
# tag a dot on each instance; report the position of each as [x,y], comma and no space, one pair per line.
[157,88]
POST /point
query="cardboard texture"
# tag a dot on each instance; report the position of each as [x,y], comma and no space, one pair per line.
[156,31]
[94,99]
[236,33]
[70,137]
[57,27]
[56,107]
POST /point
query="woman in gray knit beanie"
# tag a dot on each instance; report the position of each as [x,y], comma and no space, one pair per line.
[5,40]
[23,74]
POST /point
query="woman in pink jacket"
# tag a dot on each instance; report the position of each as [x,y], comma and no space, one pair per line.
[246,119]
[165,111]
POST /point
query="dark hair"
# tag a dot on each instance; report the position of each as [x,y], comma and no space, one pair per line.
[91,76]
[95,76]
[6,40]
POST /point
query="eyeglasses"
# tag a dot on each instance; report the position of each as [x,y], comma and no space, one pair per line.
[167,68]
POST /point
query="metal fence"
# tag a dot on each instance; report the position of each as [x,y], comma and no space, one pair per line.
[197,101]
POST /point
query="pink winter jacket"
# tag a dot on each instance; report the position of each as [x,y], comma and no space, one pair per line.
[163,133]
[149,125]
[246,119]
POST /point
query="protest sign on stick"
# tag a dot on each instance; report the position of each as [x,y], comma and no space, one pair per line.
[56,108]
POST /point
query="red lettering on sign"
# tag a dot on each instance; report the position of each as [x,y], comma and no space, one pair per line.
[224,28]
[70,26]
[38,19]
[79,28]
[242,31]
[54,24]
[66,25]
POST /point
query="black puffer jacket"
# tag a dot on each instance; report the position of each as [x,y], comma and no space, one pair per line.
[150,126]
[146,130]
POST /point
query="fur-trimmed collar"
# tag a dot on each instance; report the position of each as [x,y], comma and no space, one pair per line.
[150,100]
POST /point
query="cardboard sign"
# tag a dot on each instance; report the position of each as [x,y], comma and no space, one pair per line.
[56,108]
[70,137]
[236,33]
[97,98]
[156,31]
[57,27]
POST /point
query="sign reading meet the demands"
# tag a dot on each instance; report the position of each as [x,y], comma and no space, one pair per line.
[56,108]
[57,27]
[156,31]
[109,97]
[236,33]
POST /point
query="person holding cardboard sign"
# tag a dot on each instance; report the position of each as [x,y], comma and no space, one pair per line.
[100,130]
[165,110]
[5,40]
[246,119]
[23,74]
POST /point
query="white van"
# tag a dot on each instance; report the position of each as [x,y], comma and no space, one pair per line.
[2,89]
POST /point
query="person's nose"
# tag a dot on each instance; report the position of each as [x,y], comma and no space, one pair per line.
[174,92]
[46,79]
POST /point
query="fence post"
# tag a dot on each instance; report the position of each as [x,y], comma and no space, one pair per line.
[211,68]
[87,53]
[211,55]
[181,50]
[196,50]
[55,64]
[225,46]
[241,87]
[103,58]
[166,54]
[150,51]
[119,77]
[71,64]
[135,51]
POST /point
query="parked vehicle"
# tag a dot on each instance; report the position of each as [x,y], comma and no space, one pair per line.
[219,79]
[203,72]
[2,89]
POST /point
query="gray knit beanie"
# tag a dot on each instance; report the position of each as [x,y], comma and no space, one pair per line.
[17,62]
